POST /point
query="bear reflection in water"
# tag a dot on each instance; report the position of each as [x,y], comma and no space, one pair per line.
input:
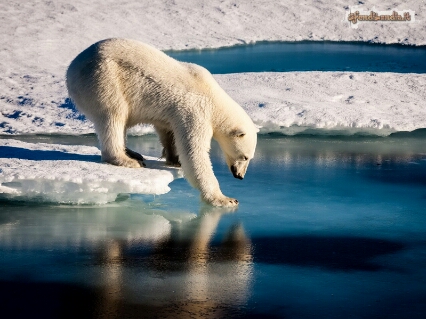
[183,276]
[122,262]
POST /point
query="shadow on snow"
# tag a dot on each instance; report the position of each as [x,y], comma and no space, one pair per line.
[38,155]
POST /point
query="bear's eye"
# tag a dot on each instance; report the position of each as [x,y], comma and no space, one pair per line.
[245,158]
[237,133]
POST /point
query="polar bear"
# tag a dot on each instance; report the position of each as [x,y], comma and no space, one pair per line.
[118,83]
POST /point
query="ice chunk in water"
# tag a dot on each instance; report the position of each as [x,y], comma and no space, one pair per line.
[73,174]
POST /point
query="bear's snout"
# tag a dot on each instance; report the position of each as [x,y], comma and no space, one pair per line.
[234,171]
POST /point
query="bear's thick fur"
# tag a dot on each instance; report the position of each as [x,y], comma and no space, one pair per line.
[118,83]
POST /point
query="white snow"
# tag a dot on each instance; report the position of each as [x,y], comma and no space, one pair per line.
[293,102]
[40,38]
[331,102]
[73,174]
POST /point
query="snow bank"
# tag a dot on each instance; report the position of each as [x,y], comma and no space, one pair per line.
[331,102]
[291,103]
[73,174]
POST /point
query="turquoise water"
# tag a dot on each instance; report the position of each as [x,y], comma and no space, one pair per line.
[326,228]
[309,56]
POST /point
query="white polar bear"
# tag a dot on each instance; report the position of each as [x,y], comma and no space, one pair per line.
[118,83]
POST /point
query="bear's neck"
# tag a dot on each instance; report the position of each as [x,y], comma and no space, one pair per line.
[226,114]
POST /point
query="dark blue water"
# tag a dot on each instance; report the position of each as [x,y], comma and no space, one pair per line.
[326,228]
[308,56]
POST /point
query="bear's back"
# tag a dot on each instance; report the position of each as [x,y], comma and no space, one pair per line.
[147,79]
[129,54]
[134,58]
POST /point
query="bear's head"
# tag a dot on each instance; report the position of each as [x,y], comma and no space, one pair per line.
[238,146]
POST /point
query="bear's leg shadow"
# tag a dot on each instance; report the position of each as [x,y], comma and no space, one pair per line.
[167,139]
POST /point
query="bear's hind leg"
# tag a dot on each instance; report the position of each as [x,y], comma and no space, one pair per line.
[167,139]
[113,149]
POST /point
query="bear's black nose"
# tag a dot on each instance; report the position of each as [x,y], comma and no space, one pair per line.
[234,172]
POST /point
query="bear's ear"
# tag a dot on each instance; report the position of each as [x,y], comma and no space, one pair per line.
[237,133]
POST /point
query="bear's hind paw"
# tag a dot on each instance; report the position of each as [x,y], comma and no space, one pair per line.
[136,156]
[126,162]
[173,164]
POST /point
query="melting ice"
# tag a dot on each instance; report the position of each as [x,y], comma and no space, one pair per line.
[73,174]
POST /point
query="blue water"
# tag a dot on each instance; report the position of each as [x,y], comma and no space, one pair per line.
[308,56]
[326,228]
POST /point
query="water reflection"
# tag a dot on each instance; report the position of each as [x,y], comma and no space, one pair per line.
[66,227]
[342,151]
[336,231]
[184,275]
[322,151]
[131,263]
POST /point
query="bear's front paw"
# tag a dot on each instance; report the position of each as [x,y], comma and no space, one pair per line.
[223,201]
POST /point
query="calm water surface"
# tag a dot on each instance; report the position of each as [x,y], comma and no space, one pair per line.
[326,228]
[308,56]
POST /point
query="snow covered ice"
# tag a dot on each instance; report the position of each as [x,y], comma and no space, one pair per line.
[338,102]
[350,102]
[73,174]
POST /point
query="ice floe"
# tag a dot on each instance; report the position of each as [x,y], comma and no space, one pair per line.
[73,174]
[331,102]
